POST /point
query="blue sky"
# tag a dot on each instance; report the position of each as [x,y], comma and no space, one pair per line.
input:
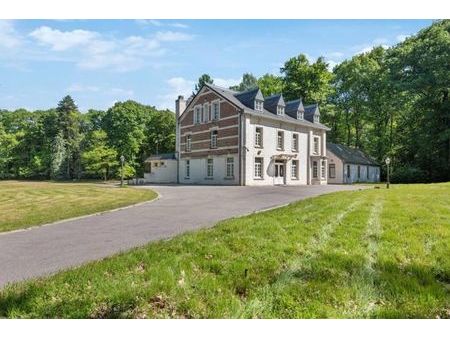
[100,62]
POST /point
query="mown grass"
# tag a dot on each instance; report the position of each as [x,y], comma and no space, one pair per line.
[25,204]
[363,254]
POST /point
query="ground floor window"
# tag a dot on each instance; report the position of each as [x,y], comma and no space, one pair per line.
[359,172]
[367,172]
[230,167]
[315,169]
[323,169]
[332,170]
[348,170]
[258,167]
[294,169]
[188,169]
[210,167]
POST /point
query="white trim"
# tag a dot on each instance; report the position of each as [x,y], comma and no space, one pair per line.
[206,131]
[209,149]
[221,119]
[212,110]
[219,138]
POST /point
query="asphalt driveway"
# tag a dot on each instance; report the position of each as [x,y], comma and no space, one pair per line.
[44,250]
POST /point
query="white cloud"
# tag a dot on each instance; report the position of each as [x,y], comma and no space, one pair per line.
[365,48]
[226,83]
[179,25]
[60,41]
[158,23]
[9,38]
[175,86]
[401,37]
[173,36]
[78,88]
[336,55]
[332,64]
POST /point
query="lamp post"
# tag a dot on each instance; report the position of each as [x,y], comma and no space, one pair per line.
[122,160]
[387,161]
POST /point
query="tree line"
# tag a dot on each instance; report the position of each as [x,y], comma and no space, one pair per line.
[64,144]
[387,102]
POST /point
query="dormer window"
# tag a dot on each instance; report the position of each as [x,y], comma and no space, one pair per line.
[300,115]
[280,110]
[259,105]
[316,118]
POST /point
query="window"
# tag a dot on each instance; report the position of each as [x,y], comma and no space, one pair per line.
[214,139]
[348,170]
[316,118]
[210,168]
[205,113]
[294,142]
[367,172]
[230,167]
[299,115]
[197,115]
[216,110]
[315,173]
[258,167]
[258,137]
[359,172]
[316,145]
[323,170]
[188,169]
[294,169]
[188,142]
[258,105]
[280,140]
[280,110]
[332,171]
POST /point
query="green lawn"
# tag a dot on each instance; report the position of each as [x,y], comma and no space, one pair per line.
[25,204]
[362,254]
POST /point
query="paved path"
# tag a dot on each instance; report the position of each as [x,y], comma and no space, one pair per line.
[47,249]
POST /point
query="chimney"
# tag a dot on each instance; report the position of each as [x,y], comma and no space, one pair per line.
[180,106]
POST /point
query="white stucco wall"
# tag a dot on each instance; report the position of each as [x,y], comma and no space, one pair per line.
[269,148]
[198,169]
[166,173]
[374,173]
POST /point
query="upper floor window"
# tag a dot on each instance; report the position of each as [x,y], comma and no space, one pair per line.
[316,118]
[294,142]
[258,137]
[316,145]
[215,110]
[205,113]
[300,115]
[188,142]
[214,139]
[197,115]
[280,140]
[210,167]
[280,110]
[258,105]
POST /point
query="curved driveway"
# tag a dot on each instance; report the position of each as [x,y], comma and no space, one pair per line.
[47,249]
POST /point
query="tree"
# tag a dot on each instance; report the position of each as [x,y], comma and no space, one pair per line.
[205,78]
[249,81]
[98,158]
[68,123]
[58,157]
[8,143]
[309,81]
[270,84]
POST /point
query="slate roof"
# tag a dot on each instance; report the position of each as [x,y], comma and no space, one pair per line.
[292,107]
[271,102]
[163,156]
[248,97]
[232,96]
[350,155]
[310,110]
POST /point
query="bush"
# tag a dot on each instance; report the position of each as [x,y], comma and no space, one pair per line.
[409,175]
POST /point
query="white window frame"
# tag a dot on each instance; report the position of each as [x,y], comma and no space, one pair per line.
[187,169]
[258,168]
[259,105]
[294,169]
[295,142]
[188,143]
[316,118]
[229,163]
[197,114]
[209,168]
[316,145]
[215,114]
[280,146]
[323,169]
[260,143]
[315,169]
[332,173]
[300,115]
[280,110]
[213,137]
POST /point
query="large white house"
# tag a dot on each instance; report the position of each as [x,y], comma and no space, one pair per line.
[242,138]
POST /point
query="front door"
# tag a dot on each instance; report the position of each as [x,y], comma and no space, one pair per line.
[279,172]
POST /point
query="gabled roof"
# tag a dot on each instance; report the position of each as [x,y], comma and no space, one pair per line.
[164,156]
[292,107]
[249,96]
[350,155]
[310,111]
[272,102]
